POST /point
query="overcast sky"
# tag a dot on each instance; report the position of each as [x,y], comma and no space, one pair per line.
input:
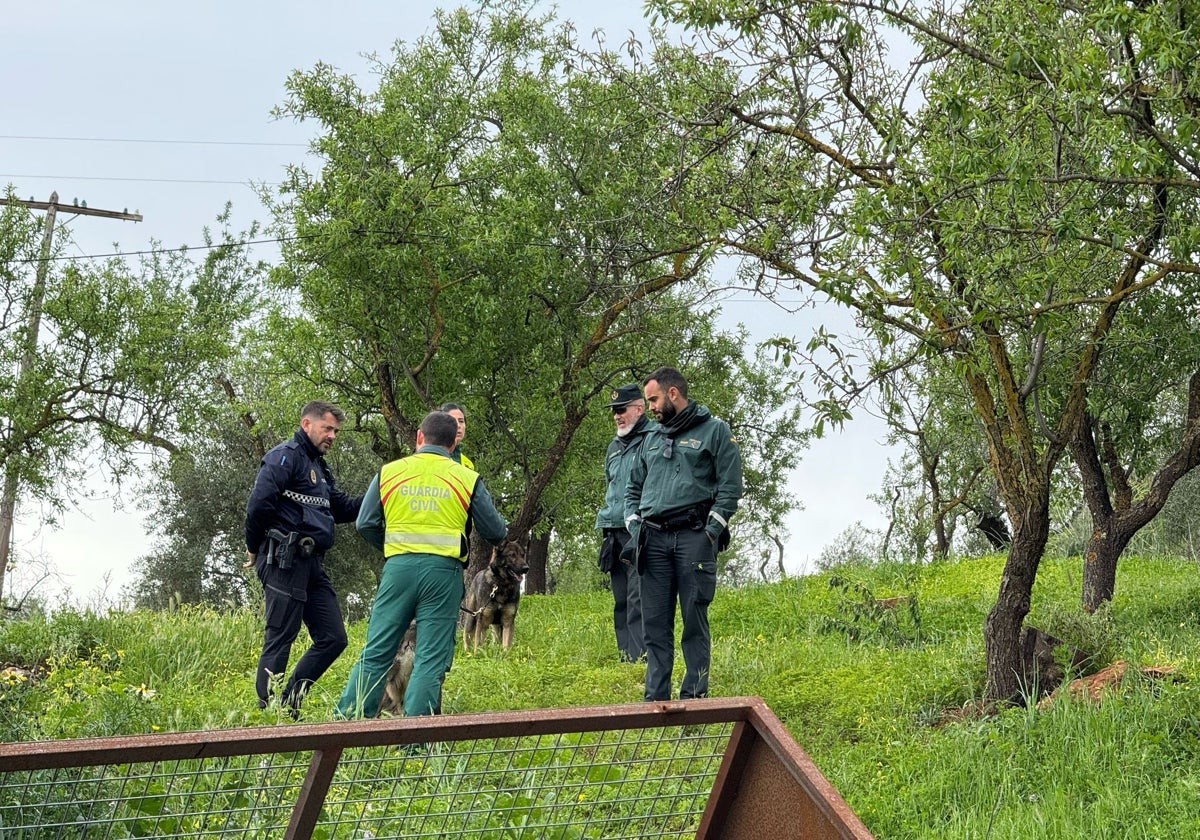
[164,109]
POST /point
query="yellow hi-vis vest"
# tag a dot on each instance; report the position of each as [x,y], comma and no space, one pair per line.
[425,502]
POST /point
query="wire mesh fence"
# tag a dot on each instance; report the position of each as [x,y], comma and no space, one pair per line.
[627,784]
[243,796]
[673,770]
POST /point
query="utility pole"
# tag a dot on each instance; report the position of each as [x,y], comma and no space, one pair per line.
[33,326]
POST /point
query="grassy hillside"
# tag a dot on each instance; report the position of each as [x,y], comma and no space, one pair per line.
[882,699]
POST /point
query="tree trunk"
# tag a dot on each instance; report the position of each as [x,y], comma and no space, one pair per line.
[1104,548]
[1116,518]
[1002,628]
[1100,555]
[1110,537]
[536,555]
[479,554]
[941,547]
[8,508]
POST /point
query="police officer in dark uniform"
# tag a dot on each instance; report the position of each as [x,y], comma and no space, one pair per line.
[683,489]
[289,527]
[631,425]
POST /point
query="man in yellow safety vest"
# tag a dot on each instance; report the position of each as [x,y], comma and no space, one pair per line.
[417,510]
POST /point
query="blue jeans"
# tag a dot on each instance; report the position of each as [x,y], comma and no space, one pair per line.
[677,566]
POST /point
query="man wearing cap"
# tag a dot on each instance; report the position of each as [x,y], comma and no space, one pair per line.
[632,425]
[684,485]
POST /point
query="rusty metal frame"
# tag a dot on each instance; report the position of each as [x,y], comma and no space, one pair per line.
[764,787]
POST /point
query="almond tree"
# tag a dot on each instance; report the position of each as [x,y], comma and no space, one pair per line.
[1005,194]
[125,350]
[942,480]
[498,225]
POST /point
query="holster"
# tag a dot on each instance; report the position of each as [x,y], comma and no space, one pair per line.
[284,549]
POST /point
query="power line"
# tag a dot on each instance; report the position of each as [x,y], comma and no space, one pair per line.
[247,182]
[273,240]
[165,142]
[297,237]
[280,239]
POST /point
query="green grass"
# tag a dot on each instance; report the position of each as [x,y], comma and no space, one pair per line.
[881,699]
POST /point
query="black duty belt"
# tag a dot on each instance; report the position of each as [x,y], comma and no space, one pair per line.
[691,519]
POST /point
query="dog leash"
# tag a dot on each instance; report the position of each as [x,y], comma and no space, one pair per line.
[491,595]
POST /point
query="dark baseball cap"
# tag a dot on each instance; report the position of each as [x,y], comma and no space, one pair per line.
[624,395]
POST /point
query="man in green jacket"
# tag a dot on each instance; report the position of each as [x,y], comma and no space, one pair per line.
[632,425]
[683,488]
[459,414]
[416,511]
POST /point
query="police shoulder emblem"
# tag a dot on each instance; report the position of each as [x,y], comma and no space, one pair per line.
[312,475]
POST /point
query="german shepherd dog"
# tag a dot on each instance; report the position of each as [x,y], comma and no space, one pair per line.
[491,601]
[494,595]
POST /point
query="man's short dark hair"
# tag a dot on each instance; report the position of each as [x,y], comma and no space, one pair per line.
[452,407]
[317,409]
[439,429]
[668,377]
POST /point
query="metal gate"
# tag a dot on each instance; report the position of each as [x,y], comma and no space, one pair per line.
[714,768]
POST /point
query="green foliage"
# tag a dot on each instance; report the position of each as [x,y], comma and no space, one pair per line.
[941,487]
[572,567]
[1094,634]
[499,222]
[862,616]
[33,641]
[503,221]
[857,545]
[125,352]
[1017,202]
[1174,531]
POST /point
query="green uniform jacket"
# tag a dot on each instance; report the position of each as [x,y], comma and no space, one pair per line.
[618,463]
[705,466]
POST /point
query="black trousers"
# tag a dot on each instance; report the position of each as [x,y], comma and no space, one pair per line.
[627,598]
[304,595]
[678,567]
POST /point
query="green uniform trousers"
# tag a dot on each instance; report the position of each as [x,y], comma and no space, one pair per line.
[426,587]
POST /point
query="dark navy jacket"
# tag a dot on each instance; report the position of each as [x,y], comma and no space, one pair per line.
[295,491]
